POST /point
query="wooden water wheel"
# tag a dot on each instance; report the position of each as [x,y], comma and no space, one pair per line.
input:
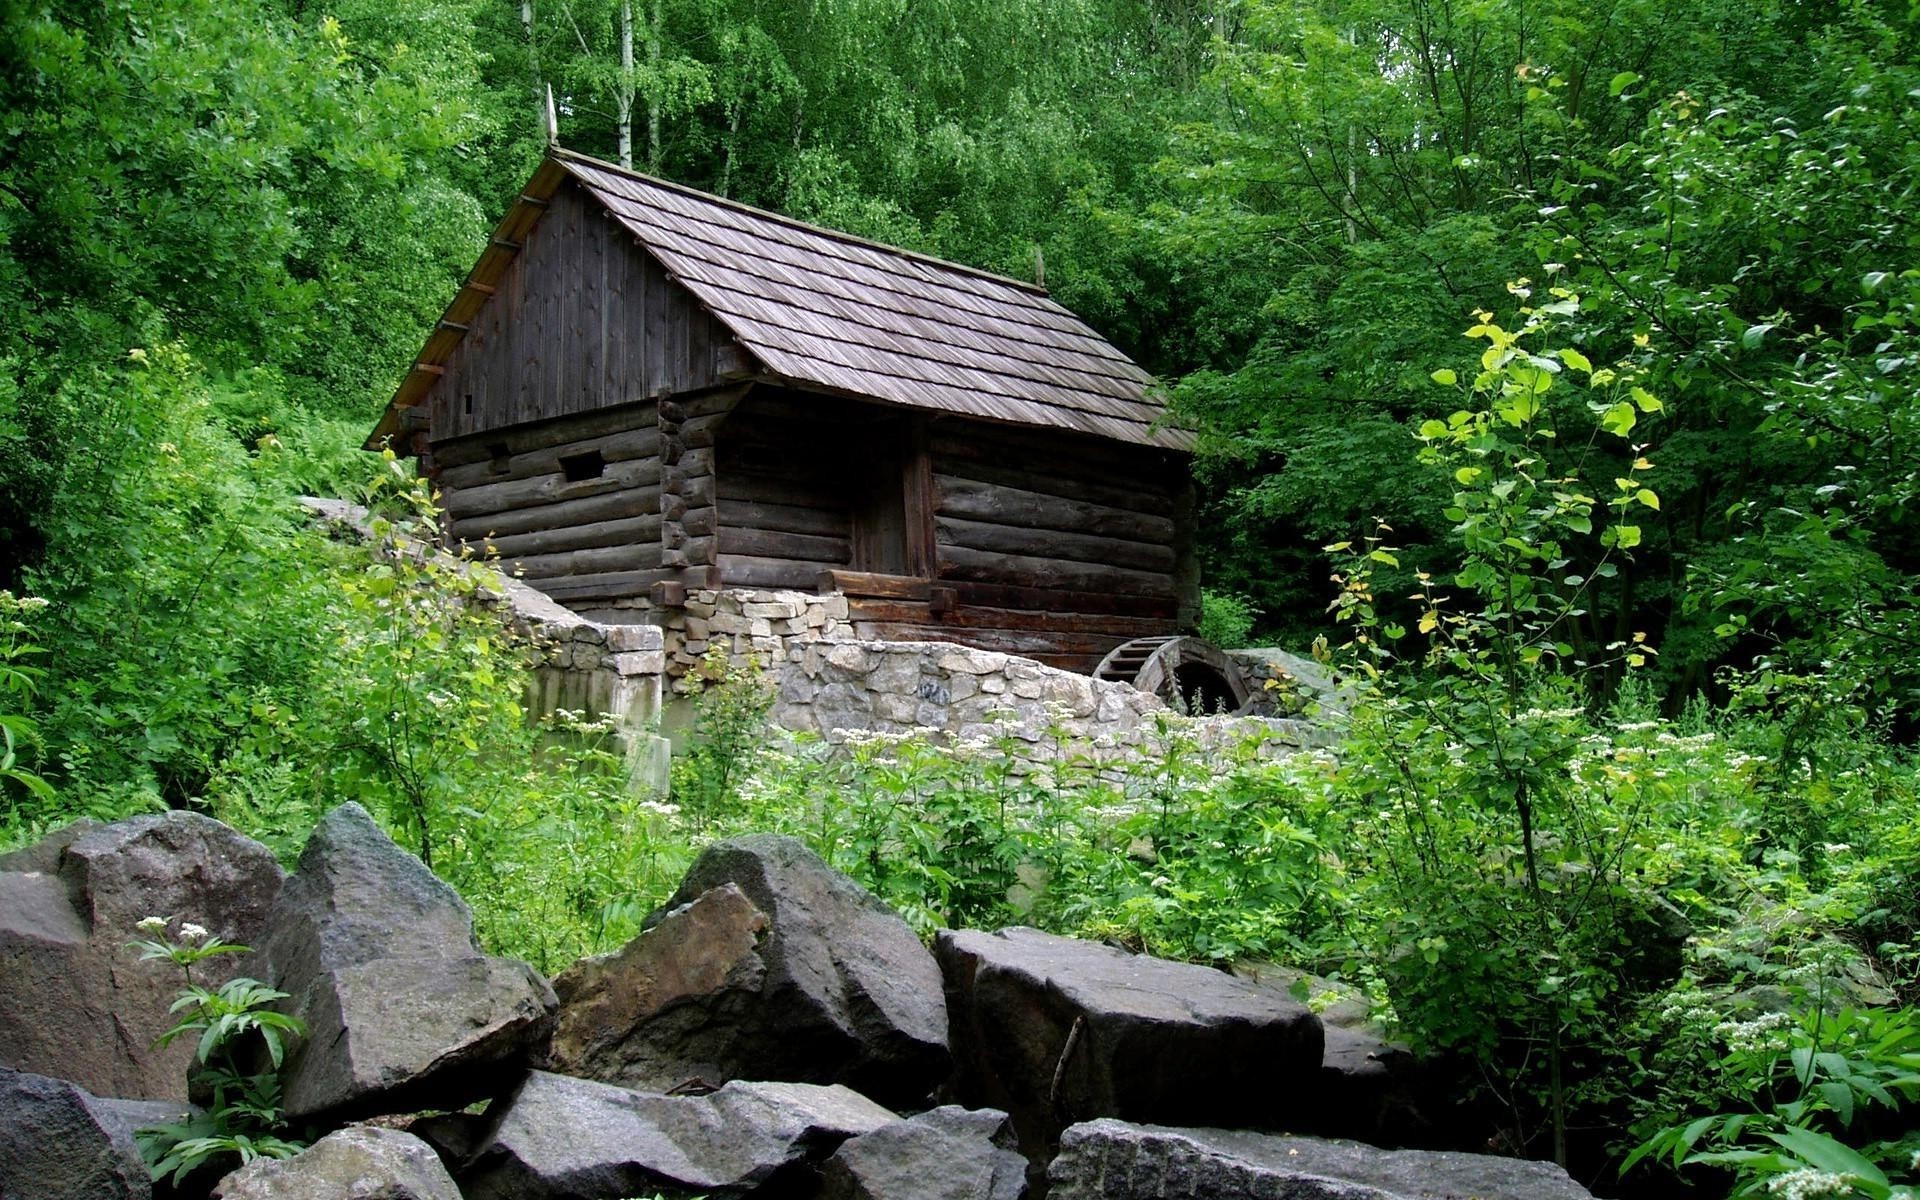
[1191,674]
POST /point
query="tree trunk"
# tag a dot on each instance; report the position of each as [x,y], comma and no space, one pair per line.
[624,101]
[533,61]
[654,35]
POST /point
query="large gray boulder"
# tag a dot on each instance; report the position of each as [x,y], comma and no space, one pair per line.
[1056,1030]
[948,1153]
[402,1009]
[660,1011]
[562,1137]
[842,990]
[76,1000]
[357,1163]
[59,1142]
[1112,1160]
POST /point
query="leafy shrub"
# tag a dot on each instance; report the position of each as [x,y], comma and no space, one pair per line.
[1227,618]
[726,738]
[18,680]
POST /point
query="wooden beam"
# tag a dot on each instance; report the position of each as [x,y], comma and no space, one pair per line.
[869,583]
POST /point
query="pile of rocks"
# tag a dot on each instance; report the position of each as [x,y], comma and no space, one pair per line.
[775,1031]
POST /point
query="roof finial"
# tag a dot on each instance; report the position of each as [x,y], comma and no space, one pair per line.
[553,121]
[1039,266]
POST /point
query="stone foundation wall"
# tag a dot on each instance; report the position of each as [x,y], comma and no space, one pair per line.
[616,663]
[748,626]
[830,682]
[894,687]
[607,670]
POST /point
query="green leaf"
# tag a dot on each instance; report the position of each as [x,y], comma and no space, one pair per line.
[1433,429]
[1619,420]
[1381,556]
[1624,537]
[1445,377]
[1827,1154]
[1621,82]
[1647,497]
[1576,360]
[1648,402]
[1840,1098]
[1754,335]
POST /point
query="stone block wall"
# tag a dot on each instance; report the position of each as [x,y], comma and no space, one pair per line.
[608,670]
[895,687]
[830,682]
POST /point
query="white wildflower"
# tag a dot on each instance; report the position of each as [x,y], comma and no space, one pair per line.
[1810,1184]
[1748,1035]
[190,932]
[151,924]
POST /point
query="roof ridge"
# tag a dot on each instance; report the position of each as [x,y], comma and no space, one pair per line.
[839,235]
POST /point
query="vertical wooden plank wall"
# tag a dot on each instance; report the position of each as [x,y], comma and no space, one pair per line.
[582,319]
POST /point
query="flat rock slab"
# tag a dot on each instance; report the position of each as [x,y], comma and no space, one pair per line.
[358,1163]
[1112,1160]
[947,1153]
[76,1000]
[1056,1030]
[839,989]
[562,1137]
[59,1142]
[378,957]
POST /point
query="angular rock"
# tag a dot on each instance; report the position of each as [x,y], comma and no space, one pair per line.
[1370,1089]
[1056,1030]
[357,1163]
[1112,1160]
[566,1137]
[660,1011]
[76,1001]
[847,993]
[948,1153]
[378,957]
[59,1142]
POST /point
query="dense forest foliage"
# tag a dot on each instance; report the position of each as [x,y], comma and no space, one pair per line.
[1627,574]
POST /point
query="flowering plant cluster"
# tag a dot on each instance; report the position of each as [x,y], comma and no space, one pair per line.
[235,1022]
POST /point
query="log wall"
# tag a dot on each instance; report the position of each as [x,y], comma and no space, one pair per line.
[784,502]
[582,319]
[575,539]
[1048,545]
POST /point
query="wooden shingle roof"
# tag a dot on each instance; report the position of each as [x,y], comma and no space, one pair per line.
[827,310]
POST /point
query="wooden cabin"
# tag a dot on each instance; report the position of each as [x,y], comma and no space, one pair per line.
[643,389]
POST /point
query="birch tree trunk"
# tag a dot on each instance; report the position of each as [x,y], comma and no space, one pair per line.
[654,35]
[624,101]
[533,61]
